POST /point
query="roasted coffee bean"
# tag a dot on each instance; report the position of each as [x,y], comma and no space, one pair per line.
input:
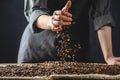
[64,46]
[57,67]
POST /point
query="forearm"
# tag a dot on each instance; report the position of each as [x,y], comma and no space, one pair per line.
[104,35]
[57,20]
[43,22]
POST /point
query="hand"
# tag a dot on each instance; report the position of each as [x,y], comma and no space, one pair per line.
[113,61]
[61,18]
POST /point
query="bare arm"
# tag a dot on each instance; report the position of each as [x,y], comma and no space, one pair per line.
[105,39]
[53,22]
[43,22]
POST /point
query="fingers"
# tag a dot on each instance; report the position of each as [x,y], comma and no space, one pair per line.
[57,23]
[59,12]
[57,29]
[67,14]
[61,18]
[117,63]
[113,61]
[117,58]
[67,6]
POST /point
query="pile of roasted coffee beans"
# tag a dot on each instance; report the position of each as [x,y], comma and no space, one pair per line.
[66,50]
[60,67]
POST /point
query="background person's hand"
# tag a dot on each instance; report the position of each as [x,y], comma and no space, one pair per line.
[61,18]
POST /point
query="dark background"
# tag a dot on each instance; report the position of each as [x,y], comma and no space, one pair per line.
[13,23]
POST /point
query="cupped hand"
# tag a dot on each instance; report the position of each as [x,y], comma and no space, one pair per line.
[61,18]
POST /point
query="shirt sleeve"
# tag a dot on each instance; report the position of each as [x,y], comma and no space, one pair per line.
[33,9]
[102,14]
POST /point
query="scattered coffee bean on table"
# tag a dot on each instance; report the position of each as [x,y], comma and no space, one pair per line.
[56,67]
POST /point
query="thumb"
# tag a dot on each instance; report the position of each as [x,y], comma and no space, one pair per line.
[67,6]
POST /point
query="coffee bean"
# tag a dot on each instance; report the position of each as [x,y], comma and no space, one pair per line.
[64,46]
[57,67]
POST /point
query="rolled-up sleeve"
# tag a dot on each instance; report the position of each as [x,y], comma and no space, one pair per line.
[33,9]
[102,14]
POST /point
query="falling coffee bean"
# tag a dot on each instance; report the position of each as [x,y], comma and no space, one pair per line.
[66,52]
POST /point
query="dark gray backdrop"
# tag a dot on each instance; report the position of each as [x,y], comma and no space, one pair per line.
[13,22]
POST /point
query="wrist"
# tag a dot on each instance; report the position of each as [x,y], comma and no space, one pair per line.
[108,57]
[108,53]
[111,60]
[49,23]
[44,22]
